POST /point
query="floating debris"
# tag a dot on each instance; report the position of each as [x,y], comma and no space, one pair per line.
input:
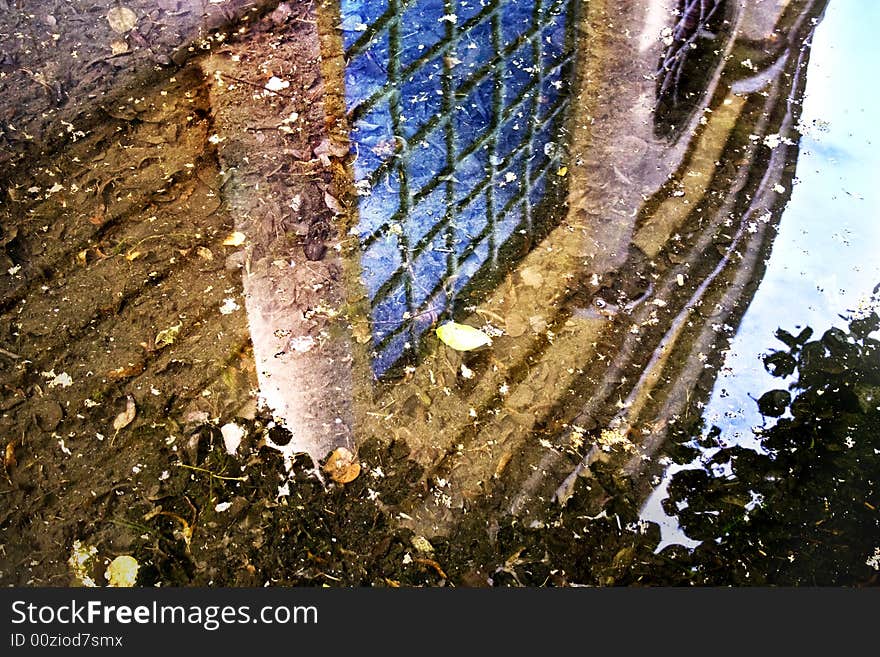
[122,571]
[167,336]
[125,417]
[462,337]
[342,466]
[232,436]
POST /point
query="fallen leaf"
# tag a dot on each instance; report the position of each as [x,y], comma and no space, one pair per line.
[327,149]
[121,19]
[462,337]
[342,466]
[422,544]
[204,253]
[232,436]
[167,336]
[332,203]
[126,371]
[118,47]
[9,454]
[361,332]
[235,239]
[122,571]
[125,417]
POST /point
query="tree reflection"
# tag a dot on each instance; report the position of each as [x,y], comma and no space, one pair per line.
[806,510]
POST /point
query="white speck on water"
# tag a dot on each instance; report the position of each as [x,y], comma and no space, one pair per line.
[229,306]
[232,436]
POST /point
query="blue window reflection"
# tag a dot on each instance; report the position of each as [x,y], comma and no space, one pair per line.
[456,108]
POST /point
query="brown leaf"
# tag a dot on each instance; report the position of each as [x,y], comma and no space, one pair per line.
[125,417]
[125,372]
[9,454]
[331,202]
[327,149]
[342,466]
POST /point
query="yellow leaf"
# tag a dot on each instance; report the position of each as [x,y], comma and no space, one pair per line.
[235,239]
[167,336]
[122,571]
[462,337]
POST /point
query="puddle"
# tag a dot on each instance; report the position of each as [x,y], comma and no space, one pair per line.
[822,268]
[629,201]
[609,291]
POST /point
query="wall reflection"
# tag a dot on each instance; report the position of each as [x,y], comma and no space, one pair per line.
[693,45]
[456,110]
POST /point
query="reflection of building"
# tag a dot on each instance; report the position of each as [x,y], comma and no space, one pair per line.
[614,324]
[455,110]
[693,46]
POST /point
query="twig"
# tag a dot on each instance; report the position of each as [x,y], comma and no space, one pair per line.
[209,472]
[433,564]
[9,354]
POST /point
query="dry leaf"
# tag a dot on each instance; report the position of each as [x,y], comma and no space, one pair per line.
[462,337]
[361,332]
[327,149]
[166,337]
[235,239]
[342,466]
[122,571]
[118,47]
[204,253]
[121,19]
[124,419]
[332,203]
[9,454]
[126,371]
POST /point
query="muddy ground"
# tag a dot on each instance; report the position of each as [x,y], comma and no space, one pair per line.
[131,422]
